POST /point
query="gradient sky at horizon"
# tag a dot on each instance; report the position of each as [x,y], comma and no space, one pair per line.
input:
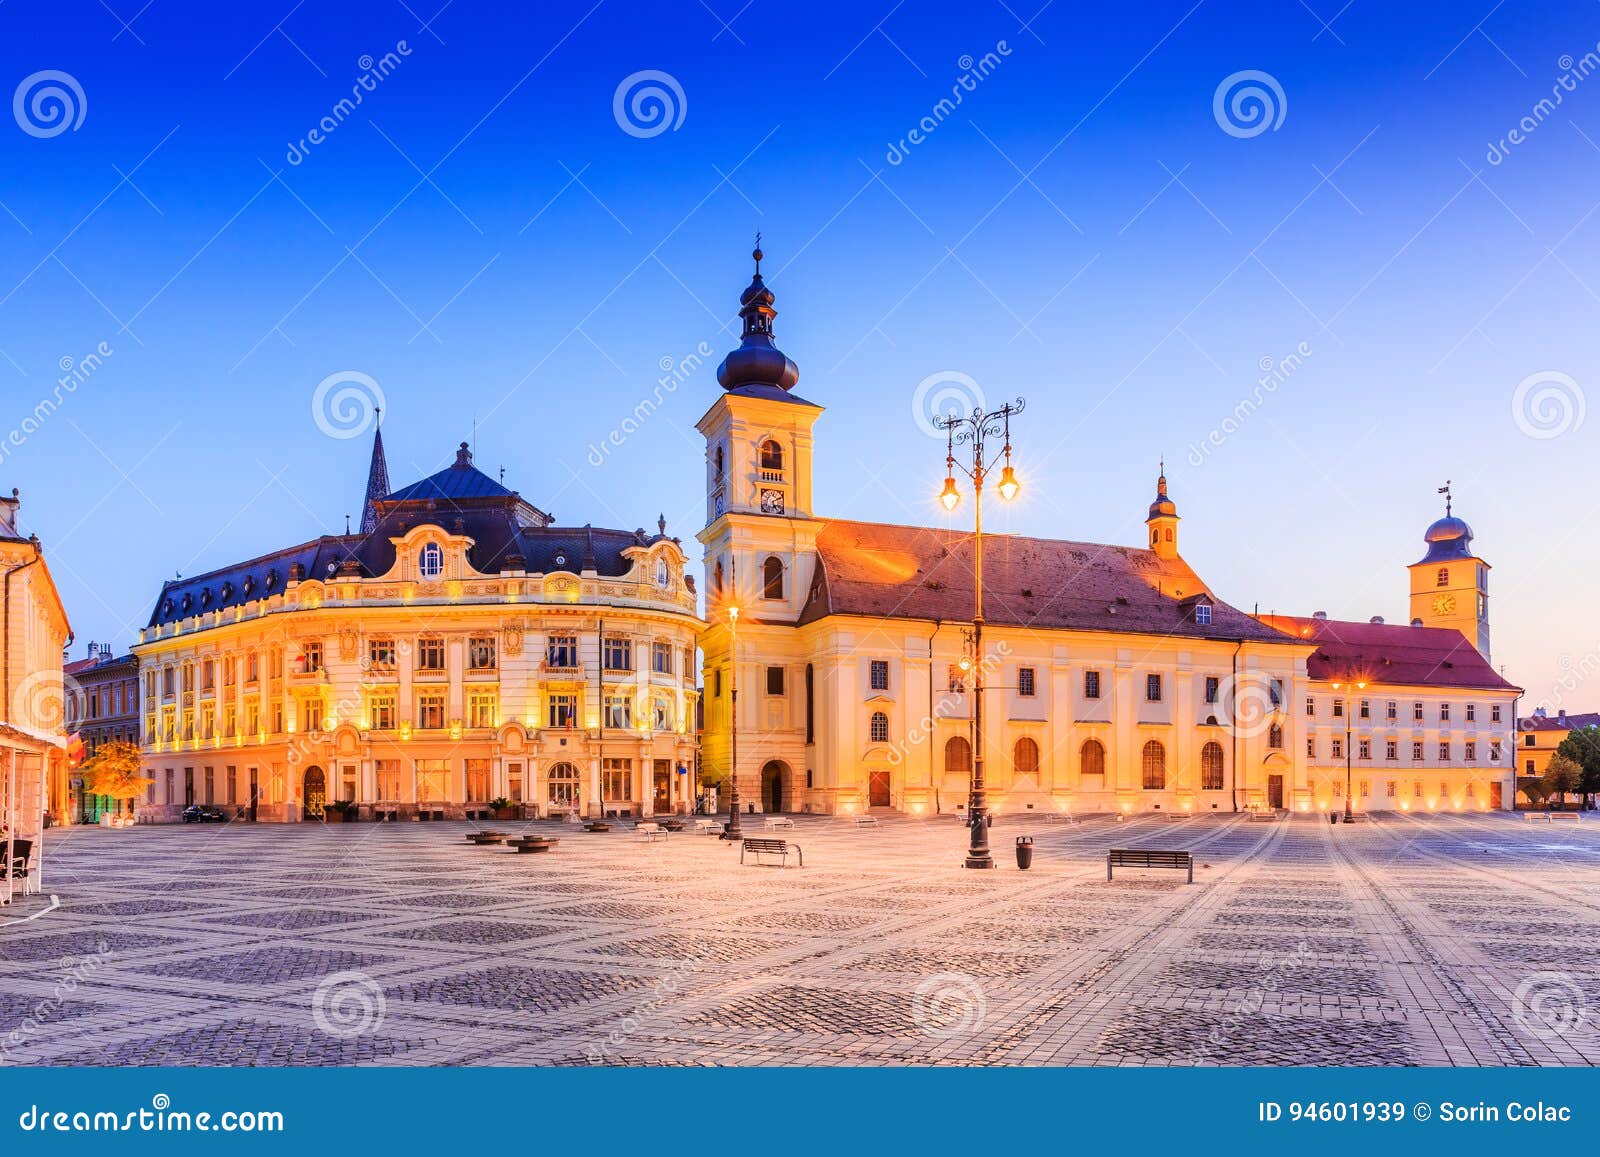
[483,239]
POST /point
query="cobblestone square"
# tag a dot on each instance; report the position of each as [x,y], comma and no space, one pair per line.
[1410,940]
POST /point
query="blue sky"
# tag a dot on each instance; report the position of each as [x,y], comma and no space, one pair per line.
[483,239]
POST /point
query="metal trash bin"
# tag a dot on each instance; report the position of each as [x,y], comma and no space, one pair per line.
[1024,852]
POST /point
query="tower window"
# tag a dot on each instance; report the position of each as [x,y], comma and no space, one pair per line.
[721,463]
[1444,577]
[772,578]
[880,727]
[771,455]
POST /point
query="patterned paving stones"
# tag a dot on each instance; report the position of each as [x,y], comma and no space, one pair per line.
[1455,940]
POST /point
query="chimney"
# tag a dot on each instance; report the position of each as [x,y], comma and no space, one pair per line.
[1539,712]
[1319,614]
[8,514]
[1416,622]
[1377,620]
[1561,717]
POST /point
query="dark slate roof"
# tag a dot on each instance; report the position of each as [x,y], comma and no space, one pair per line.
[459,480]
[1559,722]
[913,572]
[1389,653]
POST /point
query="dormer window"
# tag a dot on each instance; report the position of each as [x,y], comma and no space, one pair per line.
[430,563]
[1202,614]
[663,574]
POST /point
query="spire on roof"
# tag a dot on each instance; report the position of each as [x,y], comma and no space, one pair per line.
[1445,490]
[377,480]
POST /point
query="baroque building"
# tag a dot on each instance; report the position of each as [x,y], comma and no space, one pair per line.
[102,706]
[459,649]
[1117,679]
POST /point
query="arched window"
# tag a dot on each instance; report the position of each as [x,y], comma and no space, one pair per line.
[1443,579]
[1275,736]
[1169,534]
[957,755]
[721,464]
[772,578]
[1155,766]
[879,727]
[1025,757]
[563,779]
[431,561]
[716,578]
[1092,758]
[1211,767]
[1155,537]
[811,729]
[771,455]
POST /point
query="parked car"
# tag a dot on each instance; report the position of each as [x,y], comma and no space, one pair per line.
[195,814]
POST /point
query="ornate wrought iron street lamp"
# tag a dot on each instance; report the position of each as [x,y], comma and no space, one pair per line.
[974,431]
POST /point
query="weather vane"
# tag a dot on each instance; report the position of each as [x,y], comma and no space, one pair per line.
[1445,490]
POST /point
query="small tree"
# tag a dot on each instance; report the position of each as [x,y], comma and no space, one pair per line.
[1561,775]
[114,771]
[1583,748]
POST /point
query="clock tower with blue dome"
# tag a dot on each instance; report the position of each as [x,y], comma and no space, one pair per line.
[1450,583]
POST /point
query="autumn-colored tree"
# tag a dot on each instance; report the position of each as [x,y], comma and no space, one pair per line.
[1561,775]
[1582,746]
[114,772]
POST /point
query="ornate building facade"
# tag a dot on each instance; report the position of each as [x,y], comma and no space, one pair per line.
[33,634]
[102,706]
[459,650]
[1117,679]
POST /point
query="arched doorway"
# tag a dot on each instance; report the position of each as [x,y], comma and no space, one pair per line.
[773,796]
[315,794]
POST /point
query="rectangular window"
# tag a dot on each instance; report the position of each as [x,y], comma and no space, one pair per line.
[1213,686]
[230,721]
[252,718]
[481,653]
[561,652]
[661,713]
[1416,751]
[1311,705]
[387,773]
[1444,713]
[382,713]
[1416,712]
[1025,682]
[433,780]
[208,675]
[661,658]
[618,654]
[1391,749]
[1152,688]
[563,711]
[1388,789]
[228,784]
[1311,747]
[1366,789]
[1444,752]
[1275,692]
[1366,709]
[311,657]
[1494,751]
[483,709]
[1091,684]
[1494,713]
[1338,747]
[774,680]
[1392,710]
[430,712]
[1364,749]
[619,711]
[477,780]
[1202,614]
[430,654]
[1471,753]
[878,672]
[616,776]
[1472,712]
[311,715]
[1338,708]
[380,654]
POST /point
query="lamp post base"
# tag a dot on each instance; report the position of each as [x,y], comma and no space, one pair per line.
[984,861]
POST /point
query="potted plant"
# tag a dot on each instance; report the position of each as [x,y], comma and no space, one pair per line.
[504,809]
[339,811]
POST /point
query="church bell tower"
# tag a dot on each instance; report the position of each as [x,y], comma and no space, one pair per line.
[1450,583]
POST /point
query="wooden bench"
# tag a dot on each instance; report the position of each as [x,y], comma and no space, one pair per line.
[1573,816]
[649,833]
[1149,858]
[762,847]
[1535,817]
[775,823]
[533,843]
[708,827]
[865,821]
[1263,815]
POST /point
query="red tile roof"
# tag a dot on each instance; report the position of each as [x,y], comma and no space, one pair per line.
[1387,653]
[1557,723]
[916,572]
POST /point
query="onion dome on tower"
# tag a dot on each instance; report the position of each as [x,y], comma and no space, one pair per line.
[758,366]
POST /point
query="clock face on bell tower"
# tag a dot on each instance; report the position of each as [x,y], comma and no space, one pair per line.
[1450,583]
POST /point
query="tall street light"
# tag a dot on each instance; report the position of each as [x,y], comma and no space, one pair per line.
[1349,746]
[732,831]
[973,431]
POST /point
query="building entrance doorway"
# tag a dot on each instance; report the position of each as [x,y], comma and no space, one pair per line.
[772,800]
[316,793]
[1275,791]
[663,787]
[1495,800]
[878,789]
